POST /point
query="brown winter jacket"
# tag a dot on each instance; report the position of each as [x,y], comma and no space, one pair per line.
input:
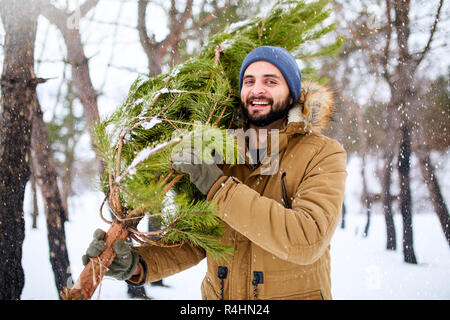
[280,225]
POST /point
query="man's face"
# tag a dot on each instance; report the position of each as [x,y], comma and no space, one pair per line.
[264,94]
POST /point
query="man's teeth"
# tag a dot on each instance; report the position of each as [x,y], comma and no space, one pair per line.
[259,103]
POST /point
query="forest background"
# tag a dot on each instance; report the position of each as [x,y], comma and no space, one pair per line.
[390,80]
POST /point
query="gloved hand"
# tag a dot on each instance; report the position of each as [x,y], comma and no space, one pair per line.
[123,264]
[203,174]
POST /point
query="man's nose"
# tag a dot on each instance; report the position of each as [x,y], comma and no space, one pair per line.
[258,89]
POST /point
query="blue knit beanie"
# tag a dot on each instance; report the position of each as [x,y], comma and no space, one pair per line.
[281,59]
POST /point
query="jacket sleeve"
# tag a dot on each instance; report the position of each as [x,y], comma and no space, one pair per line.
[162,262]
[301,234]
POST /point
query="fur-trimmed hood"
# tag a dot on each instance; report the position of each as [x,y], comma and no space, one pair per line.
[314,107]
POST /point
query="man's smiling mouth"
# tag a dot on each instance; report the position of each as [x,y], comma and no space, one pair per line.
[259,103]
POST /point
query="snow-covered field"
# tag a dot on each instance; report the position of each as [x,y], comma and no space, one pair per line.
[361,267]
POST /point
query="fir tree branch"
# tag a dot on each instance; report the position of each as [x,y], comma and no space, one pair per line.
[173,182]
[145,154]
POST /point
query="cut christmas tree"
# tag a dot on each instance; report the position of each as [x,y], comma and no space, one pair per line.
[196,100]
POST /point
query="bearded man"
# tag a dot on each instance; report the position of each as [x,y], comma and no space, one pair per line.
[279,224]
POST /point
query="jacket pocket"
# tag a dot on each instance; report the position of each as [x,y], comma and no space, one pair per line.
[308,295]
[284,193]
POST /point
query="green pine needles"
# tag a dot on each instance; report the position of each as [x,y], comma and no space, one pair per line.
[137,140]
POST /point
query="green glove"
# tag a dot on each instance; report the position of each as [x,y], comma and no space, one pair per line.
[185,159]
[123,264]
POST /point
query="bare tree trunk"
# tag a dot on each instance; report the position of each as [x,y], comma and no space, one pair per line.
[402,92]
[437,199]
[386,198]
[405,195]
[344,211]
[18,83]
[70,140]
[46,177]
[365,196]
[368,215]
[422,151]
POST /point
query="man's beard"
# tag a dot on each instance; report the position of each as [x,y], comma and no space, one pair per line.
[277,111]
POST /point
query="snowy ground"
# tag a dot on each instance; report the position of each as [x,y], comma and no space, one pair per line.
[361,267]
